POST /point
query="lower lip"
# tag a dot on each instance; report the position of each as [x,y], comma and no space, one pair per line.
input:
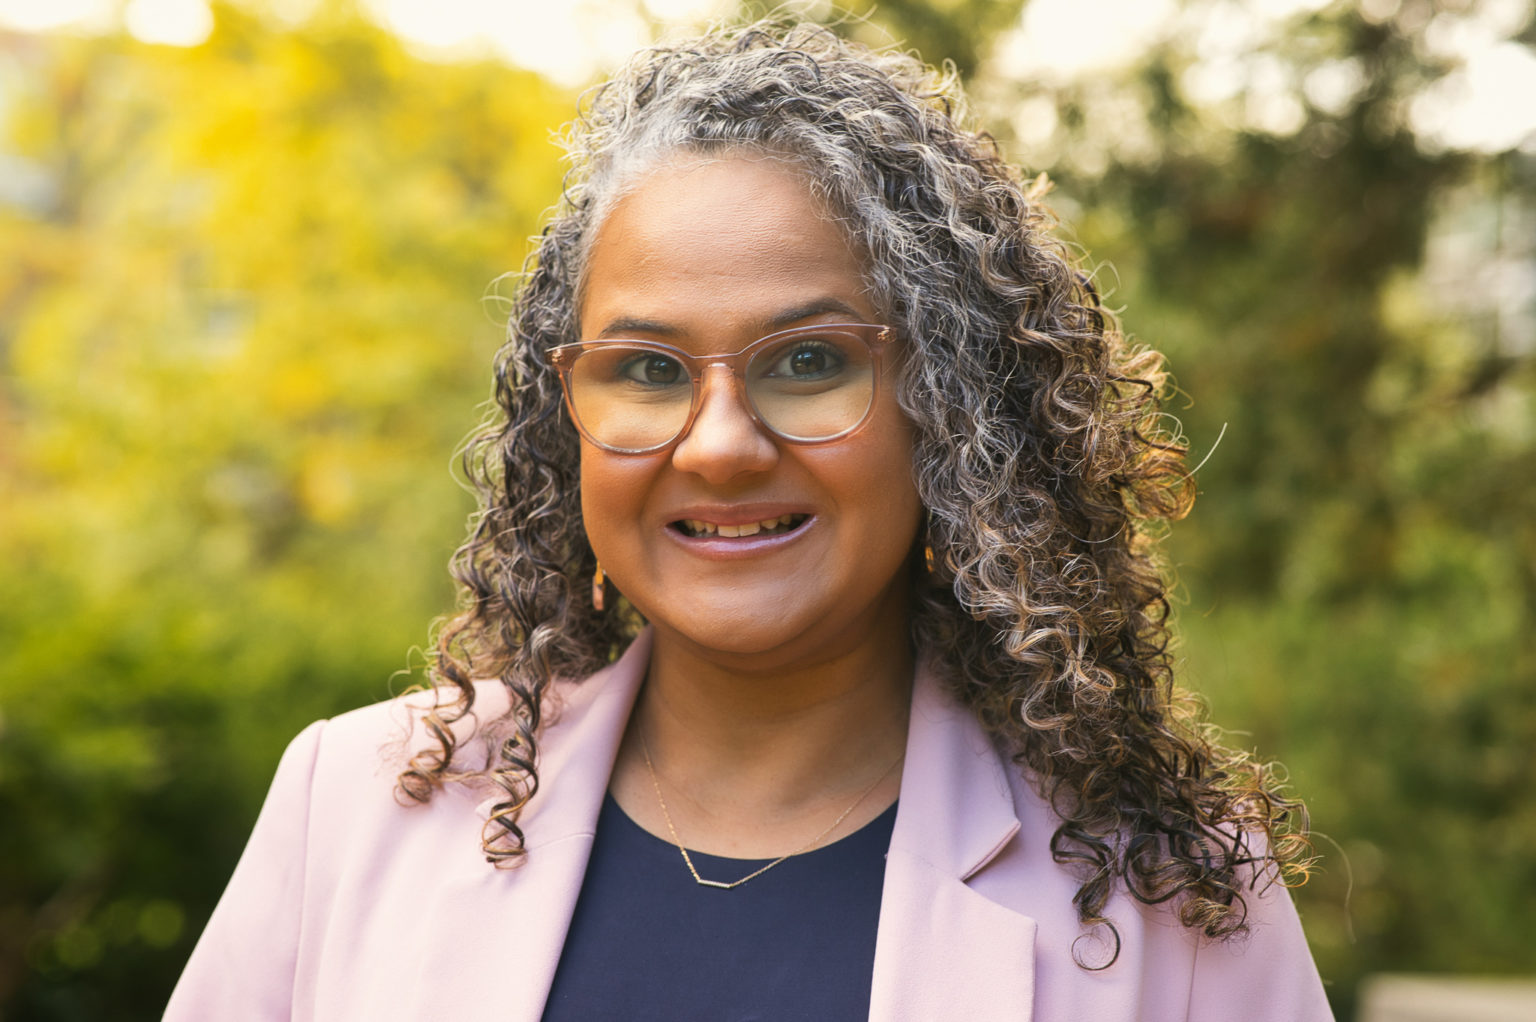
[716,548]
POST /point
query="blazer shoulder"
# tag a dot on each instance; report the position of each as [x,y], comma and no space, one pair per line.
[369,747]
[399,726]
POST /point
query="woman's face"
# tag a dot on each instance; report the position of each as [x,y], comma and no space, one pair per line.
[708,256]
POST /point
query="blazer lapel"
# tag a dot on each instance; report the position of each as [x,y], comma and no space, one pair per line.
[943,950]
[536,899]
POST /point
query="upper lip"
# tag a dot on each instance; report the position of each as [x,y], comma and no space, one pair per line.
[735,514]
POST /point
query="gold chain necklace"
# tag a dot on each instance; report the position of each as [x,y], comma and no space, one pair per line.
[721,884]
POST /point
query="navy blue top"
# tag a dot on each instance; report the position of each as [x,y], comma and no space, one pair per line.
[646,942]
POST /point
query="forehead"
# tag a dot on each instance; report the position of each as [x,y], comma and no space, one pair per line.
[718,244]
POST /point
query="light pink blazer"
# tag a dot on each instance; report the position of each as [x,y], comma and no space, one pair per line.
[346,905]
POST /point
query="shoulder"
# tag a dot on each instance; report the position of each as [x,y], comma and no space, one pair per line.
[387,733]
[338,780]
[1265,972]
[338,777]
[342,873]
[969,785]
[329,836]
[372,744]
[350,764]
[397,727]
[365,750]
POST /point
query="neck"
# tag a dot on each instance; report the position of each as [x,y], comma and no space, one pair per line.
[796,722]
[752,759]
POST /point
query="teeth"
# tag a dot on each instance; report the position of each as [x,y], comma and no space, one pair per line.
[696,527]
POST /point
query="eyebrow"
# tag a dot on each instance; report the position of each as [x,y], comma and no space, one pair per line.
[627,325]
[814,307]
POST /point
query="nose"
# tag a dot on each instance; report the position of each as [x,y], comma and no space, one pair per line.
[724,442]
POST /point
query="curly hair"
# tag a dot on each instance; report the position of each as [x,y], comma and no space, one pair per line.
[1040,456]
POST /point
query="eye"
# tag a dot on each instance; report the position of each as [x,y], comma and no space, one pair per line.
[807,360]
[650,368]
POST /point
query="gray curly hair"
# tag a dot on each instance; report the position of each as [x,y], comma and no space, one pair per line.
[1039,456]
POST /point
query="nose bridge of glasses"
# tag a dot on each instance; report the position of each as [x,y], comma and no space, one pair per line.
[731,362]
[720,371]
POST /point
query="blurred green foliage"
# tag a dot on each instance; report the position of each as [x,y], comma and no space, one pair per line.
[1358,577]
[241,334]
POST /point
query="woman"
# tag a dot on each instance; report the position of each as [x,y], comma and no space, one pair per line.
[806,416]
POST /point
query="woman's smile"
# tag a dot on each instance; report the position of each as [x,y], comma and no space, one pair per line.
[695,528]
[735,536]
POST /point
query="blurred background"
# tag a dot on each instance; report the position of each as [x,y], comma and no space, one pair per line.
[251,278]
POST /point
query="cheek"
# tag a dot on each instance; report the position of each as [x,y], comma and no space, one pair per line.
[612,491]
[896,451]
[880,479]
[884,481]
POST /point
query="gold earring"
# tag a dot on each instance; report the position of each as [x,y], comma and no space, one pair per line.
[598,588]
[928,557]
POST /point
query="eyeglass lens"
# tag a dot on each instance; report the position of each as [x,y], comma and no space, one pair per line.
[806,387]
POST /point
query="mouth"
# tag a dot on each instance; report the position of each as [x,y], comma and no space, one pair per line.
[694,528]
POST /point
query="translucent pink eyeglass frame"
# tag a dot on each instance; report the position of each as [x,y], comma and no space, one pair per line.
[877,338]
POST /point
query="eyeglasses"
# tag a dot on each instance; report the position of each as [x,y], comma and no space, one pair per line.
[808,385]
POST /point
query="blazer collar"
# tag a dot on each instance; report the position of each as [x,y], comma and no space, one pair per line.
[956,808]
[590,717]
[943,949]
[587,722]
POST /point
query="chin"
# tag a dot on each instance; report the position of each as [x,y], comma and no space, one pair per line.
[721,628]
[742,638]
